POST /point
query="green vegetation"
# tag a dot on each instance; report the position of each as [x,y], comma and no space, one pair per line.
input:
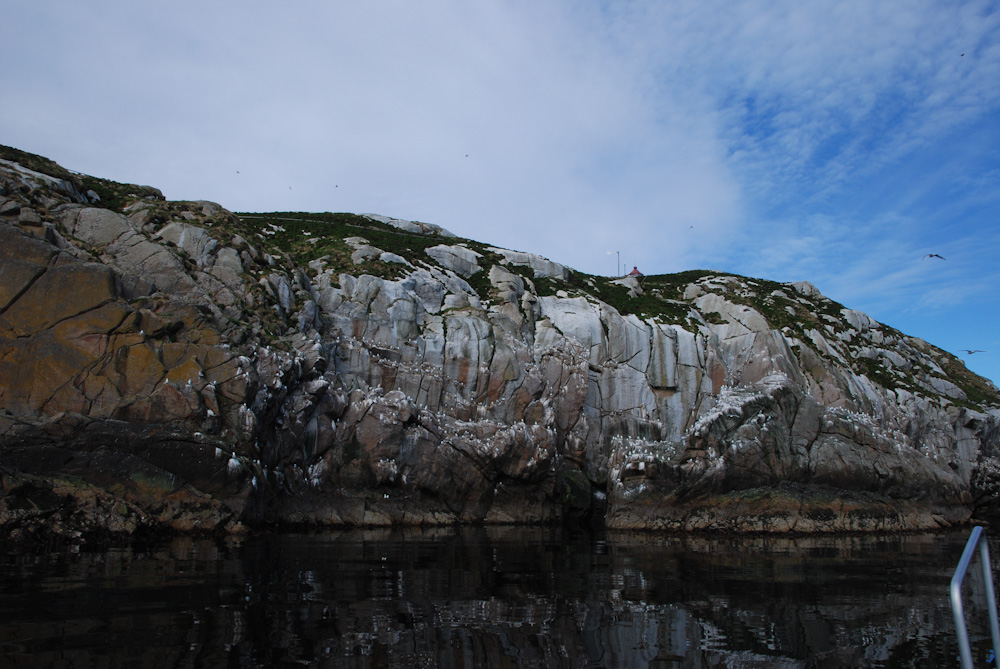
[976,388]
[36,163]
[652,303]
[117,196]
[883,376]
[305,237]
[113,195]
[673,285]
[646,305]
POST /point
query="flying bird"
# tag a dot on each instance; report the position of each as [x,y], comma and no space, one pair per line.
[934,255]
[970,351]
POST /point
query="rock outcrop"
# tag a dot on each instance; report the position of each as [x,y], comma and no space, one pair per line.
[171,364]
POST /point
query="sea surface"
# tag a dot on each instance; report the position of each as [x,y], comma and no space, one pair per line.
[493,597]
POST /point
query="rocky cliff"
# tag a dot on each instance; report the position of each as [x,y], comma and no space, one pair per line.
[172,364]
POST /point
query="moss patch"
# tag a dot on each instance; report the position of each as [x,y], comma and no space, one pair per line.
[115,196]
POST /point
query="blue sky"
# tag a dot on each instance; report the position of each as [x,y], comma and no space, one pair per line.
[834,142]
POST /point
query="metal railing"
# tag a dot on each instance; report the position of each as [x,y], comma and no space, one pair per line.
[977,538]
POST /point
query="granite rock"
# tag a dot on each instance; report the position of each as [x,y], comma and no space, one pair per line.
[158,370]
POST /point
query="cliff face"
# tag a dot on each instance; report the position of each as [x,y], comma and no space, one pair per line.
[171,363]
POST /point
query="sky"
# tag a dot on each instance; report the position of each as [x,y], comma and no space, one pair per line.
[836,142]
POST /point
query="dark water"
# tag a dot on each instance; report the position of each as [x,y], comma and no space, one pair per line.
[490,598]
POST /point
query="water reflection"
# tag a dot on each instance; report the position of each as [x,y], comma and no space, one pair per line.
[490,597]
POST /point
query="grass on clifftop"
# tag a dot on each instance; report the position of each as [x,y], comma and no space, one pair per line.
[113,195]
[306,237]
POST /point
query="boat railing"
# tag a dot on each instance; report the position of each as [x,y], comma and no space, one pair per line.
[976,540]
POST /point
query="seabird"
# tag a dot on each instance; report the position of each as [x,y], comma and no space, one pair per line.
[934,255]
[970,351]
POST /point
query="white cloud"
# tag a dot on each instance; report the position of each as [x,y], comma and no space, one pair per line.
[826,89]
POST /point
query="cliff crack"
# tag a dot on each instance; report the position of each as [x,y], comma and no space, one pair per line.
[31,282]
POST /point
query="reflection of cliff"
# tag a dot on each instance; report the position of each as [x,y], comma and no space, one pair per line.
[173,364]
[533,598]
[491,600]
